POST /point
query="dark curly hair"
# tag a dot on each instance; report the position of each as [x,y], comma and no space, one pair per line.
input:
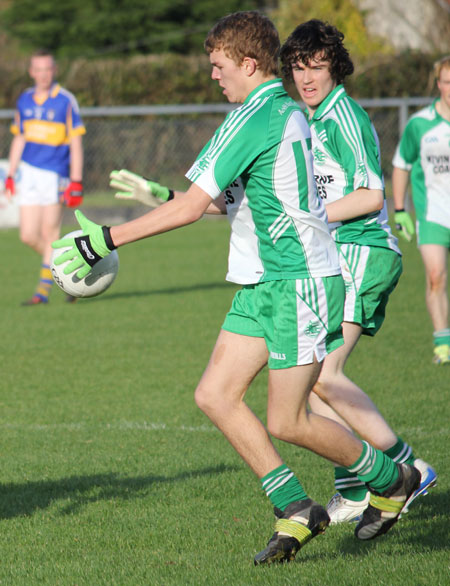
[313,39]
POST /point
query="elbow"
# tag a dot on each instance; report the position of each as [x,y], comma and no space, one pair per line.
[196,216]
[380,203]
[377,200]
[192,214]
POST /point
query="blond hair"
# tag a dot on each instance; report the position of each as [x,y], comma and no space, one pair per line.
[441,64]
[246,34]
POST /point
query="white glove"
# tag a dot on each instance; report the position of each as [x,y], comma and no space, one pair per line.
[134,186]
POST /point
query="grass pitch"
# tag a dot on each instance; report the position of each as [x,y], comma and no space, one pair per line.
[111,475]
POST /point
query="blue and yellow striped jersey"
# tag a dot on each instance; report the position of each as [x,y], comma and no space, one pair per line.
[48,128]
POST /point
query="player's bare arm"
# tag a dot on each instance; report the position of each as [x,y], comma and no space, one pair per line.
[15,154]
[400,180]
[358,203]
[216,207]
[135,187]
[181,211]
[76,158]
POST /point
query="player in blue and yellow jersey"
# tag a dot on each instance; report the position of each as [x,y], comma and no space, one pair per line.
[47,139]
[423,155]
[258,165]
[349,179]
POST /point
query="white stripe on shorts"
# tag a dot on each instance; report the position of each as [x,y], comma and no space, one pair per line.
[312,320]
[353,260]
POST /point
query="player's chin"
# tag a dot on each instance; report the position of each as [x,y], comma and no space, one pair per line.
[233,99]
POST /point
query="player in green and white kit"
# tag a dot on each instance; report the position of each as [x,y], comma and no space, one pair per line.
[349,179]
[424,152]
[289,309]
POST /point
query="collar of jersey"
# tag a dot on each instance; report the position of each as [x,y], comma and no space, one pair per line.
[329,102]
[436,113]
[54,91]
[271,86]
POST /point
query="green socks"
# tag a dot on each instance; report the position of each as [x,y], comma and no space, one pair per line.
[375,468]
[441,337]
[354,489]
[282,487]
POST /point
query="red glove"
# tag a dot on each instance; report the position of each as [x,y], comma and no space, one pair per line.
[73,195]
[10,186]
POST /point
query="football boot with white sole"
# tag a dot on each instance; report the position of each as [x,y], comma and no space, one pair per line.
[342,510]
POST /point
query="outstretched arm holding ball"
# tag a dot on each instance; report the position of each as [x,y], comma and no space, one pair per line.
[96,242]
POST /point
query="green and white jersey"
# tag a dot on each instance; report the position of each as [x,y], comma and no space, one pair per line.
[260,157]
[346,157]
[424,149]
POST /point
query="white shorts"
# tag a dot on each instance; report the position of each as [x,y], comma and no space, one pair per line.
[40,187]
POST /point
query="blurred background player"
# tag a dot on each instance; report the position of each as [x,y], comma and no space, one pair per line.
[424,153]
[48,140]
[289,309]
[349,180]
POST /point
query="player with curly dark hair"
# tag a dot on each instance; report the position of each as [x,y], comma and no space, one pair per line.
[314,39]
[349,180]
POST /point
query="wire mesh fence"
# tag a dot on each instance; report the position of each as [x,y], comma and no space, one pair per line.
[161,142]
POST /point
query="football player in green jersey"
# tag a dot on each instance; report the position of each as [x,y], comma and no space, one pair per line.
[349,179]
[288,312]
[424,155]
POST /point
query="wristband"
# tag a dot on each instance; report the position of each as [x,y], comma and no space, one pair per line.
[107,236]
[399,210]
[87,251]
[171,195]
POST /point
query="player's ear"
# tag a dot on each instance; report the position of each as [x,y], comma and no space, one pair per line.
[249,65]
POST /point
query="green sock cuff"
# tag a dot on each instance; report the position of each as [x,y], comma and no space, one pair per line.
[273,473]
[375,468]
[441,337]
[282,487]
[401,452]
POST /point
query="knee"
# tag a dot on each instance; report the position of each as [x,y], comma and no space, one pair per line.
[274,427]
[323,389]
[436,280]
[28,239]
[49,234]
[285,429]
[206,400]
[201,398]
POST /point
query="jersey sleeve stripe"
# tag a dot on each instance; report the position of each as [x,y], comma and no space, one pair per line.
[351,129]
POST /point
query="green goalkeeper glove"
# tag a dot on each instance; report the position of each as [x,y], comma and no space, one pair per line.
[134,186]
[404,224]
[94,244]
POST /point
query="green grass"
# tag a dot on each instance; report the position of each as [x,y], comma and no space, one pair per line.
[111,475]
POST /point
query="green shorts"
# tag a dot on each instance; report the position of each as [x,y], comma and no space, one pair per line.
[370,275]
[298,319]
[431,233]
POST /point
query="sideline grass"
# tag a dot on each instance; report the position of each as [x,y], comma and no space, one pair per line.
[111,475]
